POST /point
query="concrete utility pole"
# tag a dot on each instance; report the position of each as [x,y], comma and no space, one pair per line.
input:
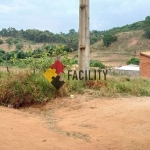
[84,36]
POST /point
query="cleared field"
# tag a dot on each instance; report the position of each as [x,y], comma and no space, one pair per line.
[83,122]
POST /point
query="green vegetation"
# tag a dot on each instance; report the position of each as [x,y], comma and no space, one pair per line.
[147,27]
[147,32]
[2,52]
[95,63]
[19,46]
[115,86]
[1,41]
[37,60]
[108,39]
[134,61]
[25,88]
[47,50]
[28,86]
[9,41]
[135,86]
[70,39]
[129,27]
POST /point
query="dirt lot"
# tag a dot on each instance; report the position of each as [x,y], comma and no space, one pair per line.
[80,123]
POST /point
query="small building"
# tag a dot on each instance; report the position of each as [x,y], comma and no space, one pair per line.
[145,64]
[129,70]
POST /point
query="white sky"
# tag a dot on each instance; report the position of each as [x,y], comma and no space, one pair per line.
[62,15]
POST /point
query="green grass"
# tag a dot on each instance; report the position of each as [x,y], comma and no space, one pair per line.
[116,86]
[25,88]
[113,87]
[126,86]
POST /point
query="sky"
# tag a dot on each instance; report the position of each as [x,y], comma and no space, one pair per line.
[62,15]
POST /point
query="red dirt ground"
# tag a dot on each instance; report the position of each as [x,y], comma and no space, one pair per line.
[83,123]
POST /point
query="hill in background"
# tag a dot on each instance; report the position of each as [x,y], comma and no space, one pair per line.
[129,41]
[128,44]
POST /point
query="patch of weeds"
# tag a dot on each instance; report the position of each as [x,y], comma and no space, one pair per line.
[25,89]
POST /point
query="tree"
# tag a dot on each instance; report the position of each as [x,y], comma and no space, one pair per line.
[49,49]
[147,27]
[108,39]
[1,41]
[19,46]
[147,32]
[9,42]
[4,32]
[72,31]
[147,21]
[2,53]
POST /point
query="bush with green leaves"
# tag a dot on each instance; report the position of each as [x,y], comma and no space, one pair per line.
[19,46]
[9,41]
[134,61]
[37,53]
[16,40]
[1,41]
[147,32]
[108,39]
[95,63]
[74,61]
[1,60]
[147,27]
[24,89]
[2,52]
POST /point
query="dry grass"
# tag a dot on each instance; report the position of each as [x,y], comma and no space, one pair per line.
[24,88]
[129,44]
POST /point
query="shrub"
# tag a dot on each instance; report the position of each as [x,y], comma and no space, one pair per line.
[1,41]
[147,32]
[16,41]
[75,86]
[108,39]
[74,61]
[135,86]
[19,46]
[37,53]
[134,61]
[95,63]
[24,89]
[2,51]
[147,27]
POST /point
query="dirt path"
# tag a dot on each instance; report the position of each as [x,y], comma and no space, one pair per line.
[82,123]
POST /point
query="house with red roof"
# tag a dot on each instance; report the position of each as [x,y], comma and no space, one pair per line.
[145,64]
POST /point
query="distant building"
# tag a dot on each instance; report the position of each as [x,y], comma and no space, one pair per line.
[129,70]
[145,64]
